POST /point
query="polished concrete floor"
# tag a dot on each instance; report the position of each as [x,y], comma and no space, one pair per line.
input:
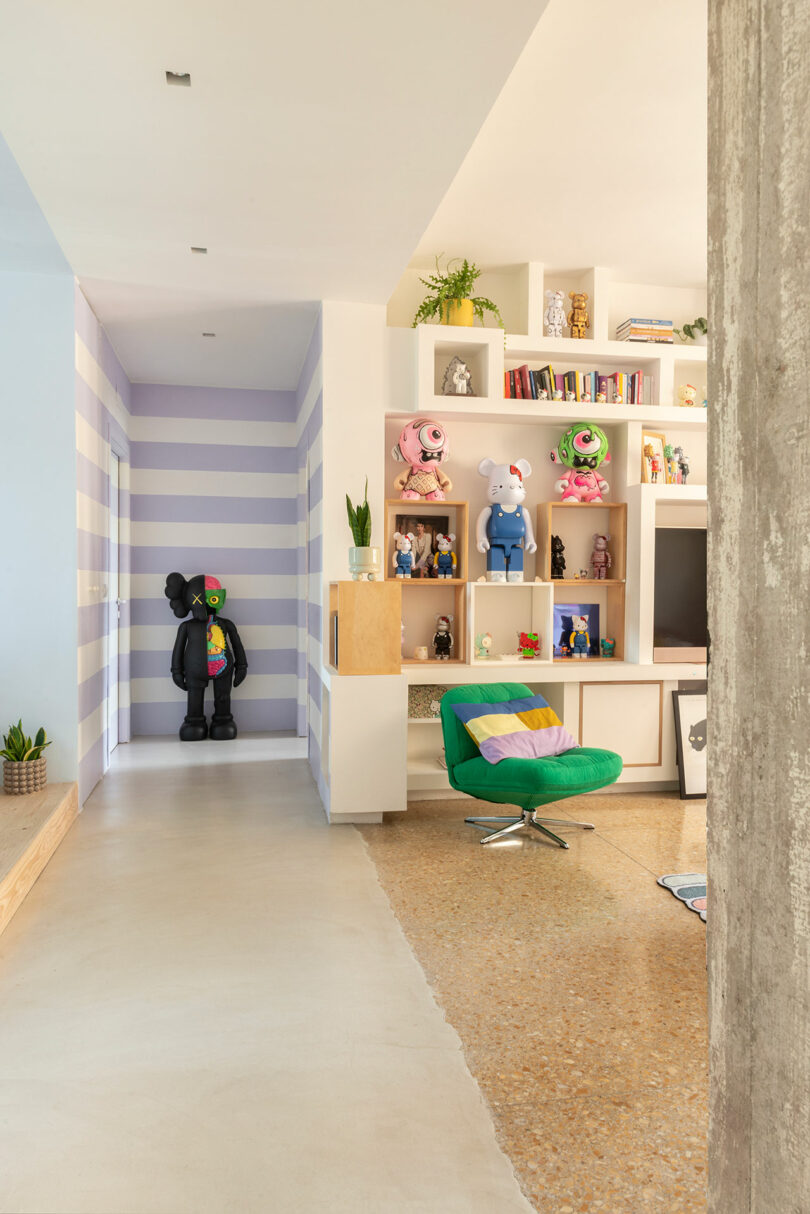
[208,1006]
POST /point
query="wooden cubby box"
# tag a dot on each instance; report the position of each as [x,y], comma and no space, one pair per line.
[364,627]
[456,514]
[419,611]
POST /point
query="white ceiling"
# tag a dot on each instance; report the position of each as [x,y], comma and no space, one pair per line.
[309,155]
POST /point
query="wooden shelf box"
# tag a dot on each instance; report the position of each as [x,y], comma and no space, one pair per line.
[505,609]
[364,627]
[576,523]
[456,513]
[421,606]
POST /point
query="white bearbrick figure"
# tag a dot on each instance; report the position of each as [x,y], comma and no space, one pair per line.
[444,561]
[554,315]
[403,556]
[504,528]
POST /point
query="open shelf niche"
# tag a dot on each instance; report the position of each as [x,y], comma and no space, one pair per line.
[409,511]
[504,610]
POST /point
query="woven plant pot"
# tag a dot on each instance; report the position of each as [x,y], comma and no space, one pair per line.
[21,778]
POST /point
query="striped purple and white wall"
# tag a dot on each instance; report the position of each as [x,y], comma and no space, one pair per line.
[102,423]
[214,490]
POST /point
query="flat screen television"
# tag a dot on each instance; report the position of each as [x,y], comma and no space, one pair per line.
[680,617]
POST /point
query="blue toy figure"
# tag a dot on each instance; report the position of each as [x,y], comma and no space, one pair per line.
[403,556]
[444,562]
[579,639]
[504,528]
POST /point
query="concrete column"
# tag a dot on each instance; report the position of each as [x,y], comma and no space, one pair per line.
[759,576]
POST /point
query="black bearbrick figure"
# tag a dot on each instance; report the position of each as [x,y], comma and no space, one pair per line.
[557,558]
[201,652]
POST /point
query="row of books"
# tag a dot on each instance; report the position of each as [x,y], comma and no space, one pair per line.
[643,329]
[525,384]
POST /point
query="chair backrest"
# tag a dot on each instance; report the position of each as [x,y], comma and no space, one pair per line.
[458,745]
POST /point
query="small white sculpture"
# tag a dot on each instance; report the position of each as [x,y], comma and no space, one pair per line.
[554,315]
[457,379]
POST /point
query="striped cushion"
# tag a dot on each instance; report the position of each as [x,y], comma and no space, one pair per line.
[516,729]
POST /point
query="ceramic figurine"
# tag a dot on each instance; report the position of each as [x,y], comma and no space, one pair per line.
[529,645]
[583,448]
[444,562]
[423,446]
[618,399]
[683,464]
[601,398]
[504,528]
[607,646]
[686,395]
[656,466]
[557,558]
[570,396]
[579,640]
[600,557]
[557,394]
[402,560]
[586,398]
[578,318]
[483,644]
[554,315]
[443,638]
[583,575]
[542,394]
[457,379]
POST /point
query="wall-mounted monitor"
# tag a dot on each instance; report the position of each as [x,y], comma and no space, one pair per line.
[680,617]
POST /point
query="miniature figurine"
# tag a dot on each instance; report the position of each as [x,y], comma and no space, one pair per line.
[444,562]
[529,645]
[570,396]
[565,652]
[579,639]
[586,398]
[669,456]
[683,464]
[656,466]
[542,394]
[577,576]
[583,575]
[504,528]
[686,395]
[601,398]
[554,315]
[704,402]
[607,646]
[582,449]
[443,638]
[402,560]
[457,379]
[600,557]
[557,558]
[423,445]
[483,644]
[578,318]
[557,394]
[618,399]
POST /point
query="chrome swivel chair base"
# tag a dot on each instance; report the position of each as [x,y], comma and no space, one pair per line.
[528,820]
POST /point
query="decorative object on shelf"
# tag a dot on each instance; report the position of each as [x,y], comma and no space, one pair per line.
[608,646]
[618,398]
[683,464]
[705,401]
[586,398]
[24,767]
[557,395]
[542,394]
[504,528]
[451,299]
[554,315]
[402,560]
[601,398]
[671,464]
[423,445]
[653,457]
[425,700]
[690,738]
[421,653]
[686,395]
[457,379]
[643,329]
[582,449]
[443,638]
[570,396]
[696,331]
[566,630]
[364,561]
[600,557]
[557,558]
[583,575]
[529,644]
[444,561]
[202,653]
[579,640]
[653,462]
[578,318]
[483,645]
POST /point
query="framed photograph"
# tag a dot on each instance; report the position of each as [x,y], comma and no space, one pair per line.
[424,529]
[576,630]
[690,739]
[654,466]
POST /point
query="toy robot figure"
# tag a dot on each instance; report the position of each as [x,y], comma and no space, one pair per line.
[578,318]
[402,560]
[600,557]
[422,445]
[607,646]
[504,528]
[582,449]
[557,558]
[443,638]
[444,562]
[554,315]
[683,463]
[579,640]
[207,647]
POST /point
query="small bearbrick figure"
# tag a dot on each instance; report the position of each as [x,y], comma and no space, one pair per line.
[207,647]
[423,446]
[557,558]
[579,640]
[601,398]
[600,557]
[578,318]
[582,449]
[402,560]
[444,562]
[607,646]
[557,394]
[683,464]
[504,529]
[529,644]
[443,638]
[483,645]
[554,315]
[686,395]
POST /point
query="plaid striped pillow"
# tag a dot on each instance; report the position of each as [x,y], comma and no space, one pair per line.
[515,729]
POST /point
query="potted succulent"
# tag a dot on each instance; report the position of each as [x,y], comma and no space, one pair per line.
[695,332]
[24,767]
[364,561]
[451,296]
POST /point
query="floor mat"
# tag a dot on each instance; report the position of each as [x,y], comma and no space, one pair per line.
[689,888]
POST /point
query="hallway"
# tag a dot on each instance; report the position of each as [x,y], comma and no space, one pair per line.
[240,1024]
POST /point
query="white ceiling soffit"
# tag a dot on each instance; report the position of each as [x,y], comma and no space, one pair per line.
[308,155]
[595,151]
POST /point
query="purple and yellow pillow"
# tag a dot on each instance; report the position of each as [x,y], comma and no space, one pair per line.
[515,729]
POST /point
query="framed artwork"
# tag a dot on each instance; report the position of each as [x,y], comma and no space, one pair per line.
[654,466]
[568,618]
[690,740]
[424,529]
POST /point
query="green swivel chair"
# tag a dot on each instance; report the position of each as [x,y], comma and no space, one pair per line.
[526,783]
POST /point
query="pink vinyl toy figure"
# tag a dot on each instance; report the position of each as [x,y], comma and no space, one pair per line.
[600,557]
[423,446]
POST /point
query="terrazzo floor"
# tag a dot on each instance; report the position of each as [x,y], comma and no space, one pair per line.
[577,986]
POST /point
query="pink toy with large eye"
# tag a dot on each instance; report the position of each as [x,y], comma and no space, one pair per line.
[423,446]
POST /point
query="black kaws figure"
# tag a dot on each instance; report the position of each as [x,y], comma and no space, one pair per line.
[201,652]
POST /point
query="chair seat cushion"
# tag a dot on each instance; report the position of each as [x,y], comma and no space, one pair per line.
[520,781]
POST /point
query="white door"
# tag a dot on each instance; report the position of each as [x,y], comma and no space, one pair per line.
[113,611]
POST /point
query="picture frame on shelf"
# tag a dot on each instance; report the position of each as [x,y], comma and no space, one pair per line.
[564,626]
[690,740]
[424,547]
[654,466]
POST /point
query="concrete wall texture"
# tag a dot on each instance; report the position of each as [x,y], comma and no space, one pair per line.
[759,561]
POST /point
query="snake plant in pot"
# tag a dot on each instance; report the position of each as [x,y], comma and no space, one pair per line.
[364,561]
[24,767]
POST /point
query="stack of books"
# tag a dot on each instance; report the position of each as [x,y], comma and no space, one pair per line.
[640,329]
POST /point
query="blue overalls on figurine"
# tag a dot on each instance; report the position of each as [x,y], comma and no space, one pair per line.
[504,528]
[579,640]
[403,555]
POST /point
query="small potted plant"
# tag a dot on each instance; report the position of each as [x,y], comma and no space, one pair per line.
[451,298]
[24,767]
[364,561]
[695,332]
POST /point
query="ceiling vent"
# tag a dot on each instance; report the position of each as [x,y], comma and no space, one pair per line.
[181,79]
[198,248]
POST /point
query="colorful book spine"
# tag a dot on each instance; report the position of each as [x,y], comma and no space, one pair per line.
[559,384]
[602,382]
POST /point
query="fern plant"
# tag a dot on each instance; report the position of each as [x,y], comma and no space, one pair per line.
[360,520]
[690,332]
[449,286]
[20,749]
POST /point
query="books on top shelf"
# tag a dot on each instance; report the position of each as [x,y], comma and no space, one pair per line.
[640,328]
[523,383]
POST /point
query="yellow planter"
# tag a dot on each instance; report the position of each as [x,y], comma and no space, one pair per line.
[458,312]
